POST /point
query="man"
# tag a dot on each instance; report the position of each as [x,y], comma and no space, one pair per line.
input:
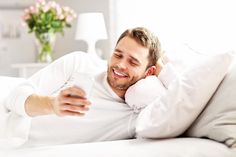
[55,105]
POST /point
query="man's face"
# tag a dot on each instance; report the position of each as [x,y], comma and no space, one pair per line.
[127,65]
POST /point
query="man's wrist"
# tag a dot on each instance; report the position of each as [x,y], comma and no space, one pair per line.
[36,105]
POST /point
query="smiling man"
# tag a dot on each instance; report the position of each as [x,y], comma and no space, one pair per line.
[52,101]
[135,56]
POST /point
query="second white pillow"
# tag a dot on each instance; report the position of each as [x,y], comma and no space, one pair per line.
[185,98]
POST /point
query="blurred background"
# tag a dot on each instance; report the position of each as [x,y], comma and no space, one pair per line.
[207,26]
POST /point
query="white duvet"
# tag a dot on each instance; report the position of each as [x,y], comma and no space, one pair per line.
[178,147]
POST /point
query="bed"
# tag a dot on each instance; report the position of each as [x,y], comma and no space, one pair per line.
[212,134]
[176,147]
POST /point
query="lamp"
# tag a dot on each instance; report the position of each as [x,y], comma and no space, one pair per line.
[91,28]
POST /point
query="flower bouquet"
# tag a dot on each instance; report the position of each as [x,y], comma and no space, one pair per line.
[46,19]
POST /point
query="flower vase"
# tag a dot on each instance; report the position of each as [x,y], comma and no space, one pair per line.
[45,45]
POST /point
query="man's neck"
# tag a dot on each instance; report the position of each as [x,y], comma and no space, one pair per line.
[120,93]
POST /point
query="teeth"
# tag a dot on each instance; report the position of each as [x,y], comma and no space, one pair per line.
[119,74]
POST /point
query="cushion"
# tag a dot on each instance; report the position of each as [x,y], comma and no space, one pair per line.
[185,98]
[218,120]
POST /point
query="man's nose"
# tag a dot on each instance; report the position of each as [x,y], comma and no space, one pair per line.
[122,64]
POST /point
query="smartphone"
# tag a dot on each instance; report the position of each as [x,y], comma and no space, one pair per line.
[84,81]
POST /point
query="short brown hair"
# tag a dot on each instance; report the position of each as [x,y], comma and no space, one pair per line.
[146,39]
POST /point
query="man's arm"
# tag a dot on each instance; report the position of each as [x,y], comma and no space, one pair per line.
[62,105]
[34,96]
[38,105]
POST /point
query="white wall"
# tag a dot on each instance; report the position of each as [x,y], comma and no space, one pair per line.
[16,45]
[207,26]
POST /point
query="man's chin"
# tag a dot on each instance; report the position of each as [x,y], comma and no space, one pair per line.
[116,84]
[120,87]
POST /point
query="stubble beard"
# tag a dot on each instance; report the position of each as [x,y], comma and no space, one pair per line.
[113,82]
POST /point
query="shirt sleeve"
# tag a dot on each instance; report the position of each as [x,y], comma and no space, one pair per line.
[45,82]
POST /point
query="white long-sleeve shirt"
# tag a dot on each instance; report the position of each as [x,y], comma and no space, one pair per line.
[109,117]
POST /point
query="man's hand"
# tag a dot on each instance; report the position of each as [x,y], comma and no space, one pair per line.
[71,101]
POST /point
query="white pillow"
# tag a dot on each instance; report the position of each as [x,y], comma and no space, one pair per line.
[218,120]
[181,56]
[185,98]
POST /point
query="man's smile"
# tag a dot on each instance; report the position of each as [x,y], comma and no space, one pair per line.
[119,74]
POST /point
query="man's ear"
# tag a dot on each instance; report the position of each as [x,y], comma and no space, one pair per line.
[150,71]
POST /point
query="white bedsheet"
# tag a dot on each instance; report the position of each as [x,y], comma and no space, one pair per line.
[178,147]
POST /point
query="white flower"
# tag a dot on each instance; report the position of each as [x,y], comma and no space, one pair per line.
[69,19]
[59,15]
[46,8]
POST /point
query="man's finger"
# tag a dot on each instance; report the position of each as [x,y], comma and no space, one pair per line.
[70,113]
[74,108]
[76,91]
[75,101]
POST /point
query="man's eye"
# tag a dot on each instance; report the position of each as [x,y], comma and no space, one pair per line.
[118,56]
[133,63]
